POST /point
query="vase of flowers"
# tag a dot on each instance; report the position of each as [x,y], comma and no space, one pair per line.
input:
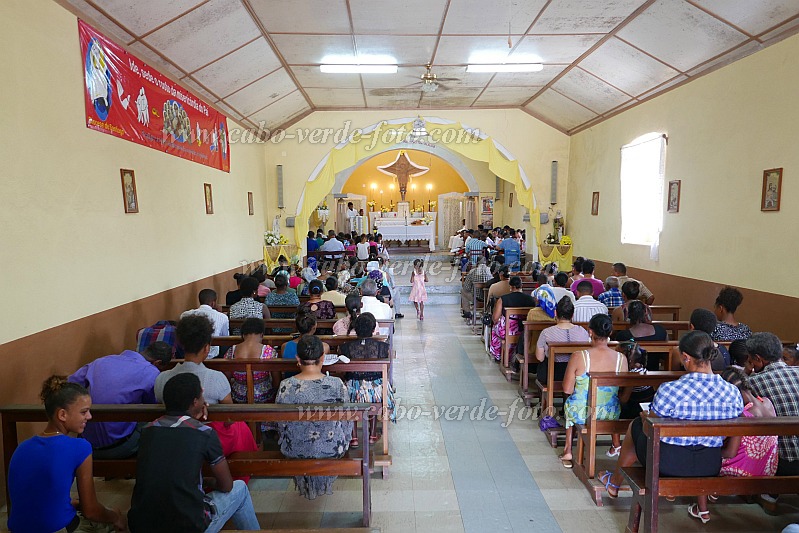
[273,238]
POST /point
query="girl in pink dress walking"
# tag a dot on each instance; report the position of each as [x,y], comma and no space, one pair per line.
[418,292]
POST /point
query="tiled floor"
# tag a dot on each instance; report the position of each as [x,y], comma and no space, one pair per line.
[455,470]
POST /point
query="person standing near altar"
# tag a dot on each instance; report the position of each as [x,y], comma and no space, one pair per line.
[352,216]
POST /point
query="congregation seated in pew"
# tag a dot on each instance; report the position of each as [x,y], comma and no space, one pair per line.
[282,296]
[346,325]
[586,306]
[252,333]
[629,293]
[601,358]
[44,468]
[127,378]
[247,306]
[514,298]
[166,496]
[318,438]
[195,334]
[208,307]
[639,329]
[687,398]
[729,329]
[563,331]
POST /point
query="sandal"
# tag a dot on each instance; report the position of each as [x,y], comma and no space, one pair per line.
[354,443]
[613,451]
[694,511]
[605,478]
[713,497]
[567,463]
[373,438]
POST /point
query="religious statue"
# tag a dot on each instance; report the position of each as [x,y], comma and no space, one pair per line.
[403,169]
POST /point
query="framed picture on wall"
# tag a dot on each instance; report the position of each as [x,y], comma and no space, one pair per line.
[674,197]
[250,203]
[129,196]
[772,190]
[209,199]
[488,205]
[595,203]
[510,200]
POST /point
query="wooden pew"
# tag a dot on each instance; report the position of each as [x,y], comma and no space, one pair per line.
[528,358]
[585,465]
[478,286]
[647,485]
[511,313]
[257,464]
[281,366]
[673,311]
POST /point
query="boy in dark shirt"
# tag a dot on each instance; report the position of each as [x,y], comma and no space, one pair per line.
[168,495]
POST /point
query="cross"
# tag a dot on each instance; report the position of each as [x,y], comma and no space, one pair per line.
[403,169]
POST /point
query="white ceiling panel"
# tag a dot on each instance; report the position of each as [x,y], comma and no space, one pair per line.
[141,51]
[225,24]
[734,55]
[145,15]
[313,77]
[262,93]
[336,97]
[236,70]
[460,50]
[505,96]
[629,69]
[456,97]
[784,30]
[471,16]
[590,91]
[680,34]
[406,50]
[554,48]
[560,110]
[312,49]
[663,87]
[392,17]
[405,77]
[281,111]
[303,16]
[579,16]
[229,110]
[109,28]
[527,79]
[753,17]
[462,78]
[395,98]
[199,91]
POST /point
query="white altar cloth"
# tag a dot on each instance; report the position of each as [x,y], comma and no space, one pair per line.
[396,230]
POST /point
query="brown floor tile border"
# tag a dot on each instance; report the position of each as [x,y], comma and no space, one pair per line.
[62,349]
[761,311]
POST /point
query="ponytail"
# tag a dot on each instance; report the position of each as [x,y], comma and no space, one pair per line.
[353,304]
[58,393]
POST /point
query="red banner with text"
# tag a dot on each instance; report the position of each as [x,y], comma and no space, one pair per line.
[128,99]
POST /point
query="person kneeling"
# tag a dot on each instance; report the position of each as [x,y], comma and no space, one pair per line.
[167,496]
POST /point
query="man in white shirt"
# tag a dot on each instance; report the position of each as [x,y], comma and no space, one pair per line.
[219,320]
[332,245]
[560,290]
[352,215]
[586,307]
[370,304]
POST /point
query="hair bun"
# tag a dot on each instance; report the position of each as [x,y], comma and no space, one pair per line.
[52,385]
[709,353]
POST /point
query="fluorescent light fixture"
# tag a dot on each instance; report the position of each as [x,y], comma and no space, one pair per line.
[506,67]
[358,69]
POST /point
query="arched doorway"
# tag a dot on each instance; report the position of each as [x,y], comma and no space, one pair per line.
[455,137]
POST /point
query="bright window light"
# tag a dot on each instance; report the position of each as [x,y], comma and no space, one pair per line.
[643,164]
[506,67]
[358,69]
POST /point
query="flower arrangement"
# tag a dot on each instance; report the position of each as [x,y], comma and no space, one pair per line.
[565,240]
[427,220]
[384,209]
[371,205]
[433,205]
[418,209]
[274,238]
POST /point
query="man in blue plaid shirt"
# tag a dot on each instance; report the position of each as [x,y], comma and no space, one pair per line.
[779,383]
[612,295]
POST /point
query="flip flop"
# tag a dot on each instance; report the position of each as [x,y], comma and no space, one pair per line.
[613,451]
[567,463]
[694,511]
[605,478]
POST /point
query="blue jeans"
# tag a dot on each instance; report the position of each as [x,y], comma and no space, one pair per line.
[235,504]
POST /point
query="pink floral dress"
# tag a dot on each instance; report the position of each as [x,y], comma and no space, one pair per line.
[757,455]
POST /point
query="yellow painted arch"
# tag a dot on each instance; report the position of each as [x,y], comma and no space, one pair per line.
[462,141]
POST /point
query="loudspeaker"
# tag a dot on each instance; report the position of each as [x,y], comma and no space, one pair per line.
[553,190]
[497,189]
[544,218]
[289,222]
[280,187]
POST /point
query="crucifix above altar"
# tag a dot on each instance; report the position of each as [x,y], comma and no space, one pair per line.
[403,169]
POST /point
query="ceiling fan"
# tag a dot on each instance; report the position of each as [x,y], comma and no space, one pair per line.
[430,82]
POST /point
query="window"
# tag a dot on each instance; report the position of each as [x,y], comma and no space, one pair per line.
[643,163]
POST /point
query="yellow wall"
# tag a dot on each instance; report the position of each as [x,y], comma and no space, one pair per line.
[68,250]
[724,129]
[534,143]
[441,176]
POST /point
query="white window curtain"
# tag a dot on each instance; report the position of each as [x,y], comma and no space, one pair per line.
[643,163]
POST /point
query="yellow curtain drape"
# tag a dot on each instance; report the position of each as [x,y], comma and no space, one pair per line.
[272,253]
[560,254]
[477,150]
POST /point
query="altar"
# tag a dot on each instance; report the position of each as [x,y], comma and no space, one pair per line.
[413,228]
